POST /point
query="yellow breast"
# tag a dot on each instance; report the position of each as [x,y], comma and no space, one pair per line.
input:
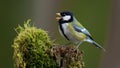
[78,35]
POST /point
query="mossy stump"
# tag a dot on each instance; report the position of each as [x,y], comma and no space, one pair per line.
[68,57]
[34,49]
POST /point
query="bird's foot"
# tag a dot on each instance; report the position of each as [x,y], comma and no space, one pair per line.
[76,48]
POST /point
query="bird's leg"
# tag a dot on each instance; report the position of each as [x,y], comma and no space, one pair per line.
[77,46]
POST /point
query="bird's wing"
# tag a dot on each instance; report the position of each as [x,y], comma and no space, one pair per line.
[81,29]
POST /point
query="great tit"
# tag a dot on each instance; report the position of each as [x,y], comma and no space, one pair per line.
[73,30]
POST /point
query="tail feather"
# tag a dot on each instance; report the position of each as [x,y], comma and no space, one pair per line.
[94,43]
[98,46]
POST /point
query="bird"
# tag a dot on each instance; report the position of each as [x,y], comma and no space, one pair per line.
[71,29]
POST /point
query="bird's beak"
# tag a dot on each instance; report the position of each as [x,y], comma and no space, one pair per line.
[58,16]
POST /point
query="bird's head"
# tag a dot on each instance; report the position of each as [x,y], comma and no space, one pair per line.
[64,17]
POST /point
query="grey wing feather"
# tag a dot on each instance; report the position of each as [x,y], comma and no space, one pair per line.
[80,29]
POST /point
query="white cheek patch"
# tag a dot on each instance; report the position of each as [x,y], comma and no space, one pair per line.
[67,17]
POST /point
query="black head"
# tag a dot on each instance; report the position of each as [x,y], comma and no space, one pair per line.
[65,17]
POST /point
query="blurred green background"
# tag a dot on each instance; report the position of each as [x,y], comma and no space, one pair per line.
[93,14]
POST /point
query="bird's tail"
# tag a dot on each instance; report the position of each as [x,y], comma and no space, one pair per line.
[98,46]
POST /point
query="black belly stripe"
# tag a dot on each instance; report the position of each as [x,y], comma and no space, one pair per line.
[61,28]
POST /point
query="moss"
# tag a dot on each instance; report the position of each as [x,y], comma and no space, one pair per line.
[31,46]
[34,49]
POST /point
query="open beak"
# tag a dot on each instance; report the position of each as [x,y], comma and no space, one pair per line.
[58,16]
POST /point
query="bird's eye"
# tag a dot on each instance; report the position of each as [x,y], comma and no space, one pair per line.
[63,14]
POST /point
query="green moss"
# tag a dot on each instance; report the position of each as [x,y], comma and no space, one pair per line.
[31,46]
[34,49]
